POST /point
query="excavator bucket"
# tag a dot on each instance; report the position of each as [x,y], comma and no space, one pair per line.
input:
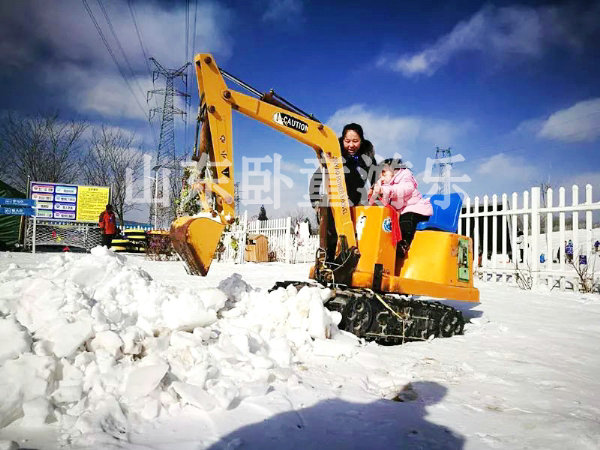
[196,239]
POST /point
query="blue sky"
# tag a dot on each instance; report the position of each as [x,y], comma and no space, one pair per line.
[512,87]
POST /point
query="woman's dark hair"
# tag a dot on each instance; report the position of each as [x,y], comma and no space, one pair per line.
[353,127]
[366,148]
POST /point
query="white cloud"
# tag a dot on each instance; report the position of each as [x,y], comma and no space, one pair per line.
[498,173]
[580,122]
[288,11]
[581,180]
[500,33]
[77,64]
[398,134]
[507,167]
[65,32]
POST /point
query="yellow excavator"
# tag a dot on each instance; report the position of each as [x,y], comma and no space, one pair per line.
[374,285]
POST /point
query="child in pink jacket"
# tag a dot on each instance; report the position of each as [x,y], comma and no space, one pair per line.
[397,187]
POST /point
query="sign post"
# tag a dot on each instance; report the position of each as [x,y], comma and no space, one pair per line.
[20,207]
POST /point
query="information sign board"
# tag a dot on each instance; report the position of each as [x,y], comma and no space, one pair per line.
[68,202]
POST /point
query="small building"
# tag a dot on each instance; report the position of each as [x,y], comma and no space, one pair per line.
[257,248]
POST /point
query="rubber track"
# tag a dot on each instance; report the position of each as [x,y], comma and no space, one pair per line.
[365,315]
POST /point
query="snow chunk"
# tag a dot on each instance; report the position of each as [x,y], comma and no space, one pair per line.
[111,346]
[186,312]
[234,286]
[65,338]
[108,341]
[143,380]
[194,395]
[8,445]
[36,412]
[21,380]
[14,339]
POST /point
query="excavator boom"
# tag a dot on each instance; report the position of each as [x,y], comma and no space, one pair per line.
[196,238]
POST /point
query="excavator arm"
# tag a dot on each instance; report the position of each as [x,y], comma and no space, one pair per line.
[196,238]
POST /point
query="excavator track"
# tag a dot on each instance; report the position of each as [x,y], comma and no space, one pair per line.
[389,319]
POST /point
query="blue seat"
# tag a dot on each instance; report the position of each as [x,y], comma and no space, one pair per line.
[446,211]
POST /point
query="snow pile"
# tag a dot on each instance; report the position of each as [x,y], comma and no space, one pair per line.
[97,345]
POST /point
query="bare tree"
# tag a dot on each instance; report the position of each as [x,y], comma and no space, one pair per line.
[587,280]
[42,147]
[302,215]
[111,153]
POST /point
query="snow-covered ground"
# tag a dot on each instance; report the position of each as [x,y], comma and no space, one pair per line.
[99,352]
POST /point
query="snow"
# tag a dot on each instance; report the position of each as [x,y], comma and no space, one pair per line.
[100,350]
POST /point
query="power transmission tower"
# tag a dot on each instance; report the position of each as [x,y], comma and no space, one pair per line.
[166,156]
[236,198]
[444,159]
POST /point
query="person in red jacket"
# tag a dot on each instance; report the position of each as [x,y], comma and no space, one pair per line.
[108,224]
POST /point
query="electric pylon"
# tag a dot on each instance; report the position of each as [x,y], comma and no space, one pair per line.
[443,157]
[166,155]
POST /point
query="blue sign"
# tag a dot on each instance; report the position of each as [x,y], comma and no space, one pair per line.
[17,211]
[16,202]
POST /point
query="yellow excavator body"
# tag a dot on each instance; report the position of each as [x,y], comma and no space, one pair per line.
[438,264]
[368,271]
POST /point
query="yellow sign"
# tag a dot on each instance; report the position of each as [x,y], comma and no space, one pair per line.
[91,201]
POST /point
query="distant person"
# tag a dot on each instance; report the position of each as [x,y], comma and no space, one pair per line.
[569,251]
[521,245]
[596,246]
[108,224]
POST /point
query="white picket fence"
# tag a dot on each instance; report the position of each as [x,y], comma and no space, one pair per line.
[283,243]
[494,227]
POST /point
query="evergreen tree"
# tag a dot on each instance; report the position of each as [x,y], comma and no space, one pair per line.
[262,215]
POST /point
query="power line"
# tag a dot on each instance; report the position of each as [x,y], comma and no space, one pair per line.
[117,40]
[139,35]
[194,35]
[114,58]
[193,70]
[146,60]
[131,71]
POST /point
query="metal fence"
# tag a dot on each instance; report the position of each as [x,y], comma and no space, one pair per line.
[531,234]
[68,234]
[65,234]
